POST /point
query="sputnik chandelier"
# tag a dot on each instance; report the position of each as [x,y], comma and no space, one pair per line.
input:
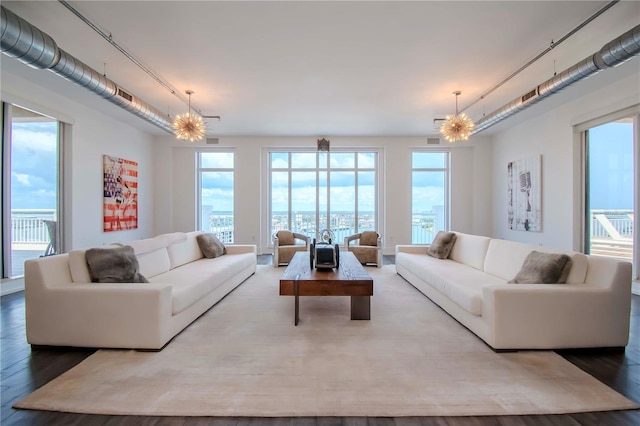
[189,126]
[457,127]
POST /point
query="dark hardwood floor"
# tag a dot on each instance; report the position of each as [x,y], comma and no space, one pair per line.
[25,369]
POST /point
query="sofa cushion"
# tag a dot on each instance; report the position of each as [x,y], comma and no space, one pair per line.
[78,267]
[461,283]
[210,245]
[186,251]
[285,238]
[442,244]
[470,250]
[204,276]
[543,268]
[78,264]
[148,245]
[369,238]
[365,254]
[154,263]
[113,265]
[505,258]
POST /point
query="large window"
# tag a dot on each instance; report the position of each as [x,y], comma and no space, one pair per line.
[215,194]
[429,195]
[313,191]
[31,188]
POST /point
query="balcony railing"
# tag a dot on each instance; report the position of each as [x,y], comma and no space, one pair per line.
[611,228]
[28,229]
[612,233]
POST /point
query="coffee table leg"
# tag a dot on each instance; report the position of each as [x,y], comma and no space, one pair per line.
[297,302]
[360,307]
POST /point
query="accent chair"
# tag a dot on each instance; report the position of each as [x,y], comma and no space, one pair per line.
[285,246]
[368,249]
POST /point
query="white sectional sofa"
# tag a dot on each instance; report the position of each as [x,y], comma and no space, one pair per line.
[64,308]
[591,310]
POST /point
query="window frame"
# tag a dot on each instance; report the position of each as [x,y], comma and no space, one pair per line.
[377,169]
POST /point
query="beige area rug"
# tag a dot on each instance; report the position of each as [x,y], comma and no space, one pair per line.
[244,357]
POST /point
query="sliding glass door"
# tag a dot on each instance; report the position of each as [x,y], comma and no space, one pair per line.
[30,187]
[611,190]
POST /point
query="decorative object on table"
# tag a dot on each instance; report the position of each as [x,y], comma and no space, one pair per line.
[120,189]
[524,185]
[324,254]
[457,127]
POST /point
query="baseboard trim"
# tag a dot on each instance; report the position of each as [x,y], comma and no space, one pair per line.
[9,286]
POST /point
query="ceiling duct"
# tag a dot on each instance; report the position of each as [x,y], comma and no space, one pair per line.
[612,54]
[21,40]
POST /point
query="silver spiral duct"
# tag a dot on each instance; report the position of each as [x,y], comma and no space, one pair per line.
[612,54]
[21,40]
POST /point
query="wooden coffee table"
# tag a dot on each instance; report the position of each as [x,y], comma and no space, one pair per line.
[350,279]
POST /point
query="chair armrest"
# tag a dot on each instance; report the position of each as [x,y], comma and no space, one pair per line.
[350,238]
[305,238]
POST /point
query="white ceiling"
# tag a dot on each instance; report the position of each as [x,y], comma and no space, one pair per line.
[321,68]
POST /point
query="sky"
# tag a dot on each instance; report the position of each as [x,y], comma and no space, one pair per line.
[611,166]
[33,165]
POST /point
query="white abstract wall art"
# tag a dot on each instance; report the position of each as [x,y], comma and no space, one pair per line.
[524,210]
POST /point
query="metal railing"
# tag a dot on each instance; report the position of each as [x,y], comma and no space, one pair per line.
[28,228]
[611,233]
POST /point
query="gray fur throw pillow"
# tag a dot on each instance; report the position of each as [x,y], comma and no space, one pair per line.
[210,245]
[544,268]
[442,245]
[113,265]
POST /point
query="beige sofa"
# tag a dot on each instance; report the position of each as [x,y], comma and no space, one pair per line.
[64,308]
[591,310]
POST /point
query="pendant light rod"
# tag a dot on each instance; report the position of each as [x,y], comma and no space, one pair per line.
[541,54]
[109,39]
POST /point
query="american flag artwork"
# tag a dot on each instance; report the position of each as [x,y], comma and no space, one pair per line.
[120,205]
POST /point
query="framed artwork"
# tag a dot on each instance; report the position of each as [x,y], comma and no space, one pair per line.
[120,189]
[524,210]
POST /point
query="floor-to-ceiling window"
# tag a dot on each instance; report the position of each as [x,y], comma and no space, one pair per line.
[215,194]
[313,191]
[429,195]
[611,188]
[30,183]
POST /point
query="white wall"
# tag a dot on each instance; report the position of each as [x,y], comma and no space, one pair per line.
[93,134]
[550,133]
[176,193]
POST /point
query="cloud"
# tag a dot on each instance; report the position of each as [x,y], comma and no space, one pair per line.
[216,160]
[34,137]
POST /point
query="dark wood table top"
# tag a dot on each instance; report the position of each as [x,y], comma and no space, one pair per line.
[350,279]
